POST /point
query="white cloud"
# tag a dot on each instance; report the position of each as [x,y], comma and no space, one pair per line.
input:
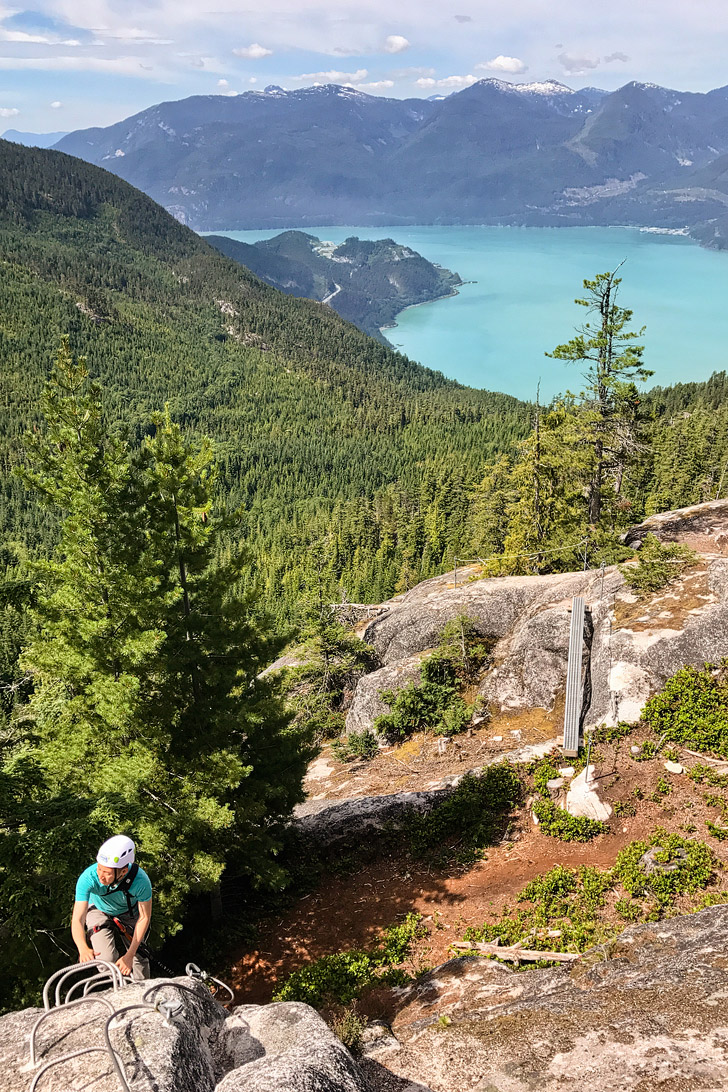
[56,105]
[332,76]
[253,79]
[35,39]
[449,83]
[513,65]
[253,52]
[118,66]
[395,43]
[378,85]
[574,65]
[222,83]
[616,57]
[130,34]
[8,112]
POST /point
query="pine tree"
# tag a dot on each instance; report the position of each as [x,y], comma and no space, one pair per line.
[145,660]
[613,363]
[547,519]
[234,762]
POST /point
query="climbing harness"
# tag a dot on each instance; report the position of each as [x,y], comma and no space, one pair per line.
[104,973]
[124,884]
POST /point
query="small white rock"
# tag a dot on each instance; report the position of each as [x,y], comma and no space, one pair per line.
[674,767]
[496,739]
[516,733]
[635,750]
[568,771]
[555,783]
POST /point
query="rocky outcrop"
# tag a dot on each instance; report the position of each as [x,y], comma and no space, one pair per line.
[704,527]
[259,1048]
[326,823]
[367,704]
[646,1013]
[632,645]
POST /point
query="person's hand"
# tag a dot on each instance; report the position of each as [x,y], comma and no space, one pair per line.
[86,955]
[124,964]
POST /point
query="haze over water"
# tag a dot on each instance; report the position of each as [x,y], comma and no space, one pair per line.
[494,333]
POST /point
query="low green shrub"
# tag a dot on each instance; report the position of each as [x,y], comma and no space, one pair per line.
[562,915]
[700,773]
[472,814]
[658,565]
[628,909]
[683,866]
[354,746]
[544,770]
[348,1026]
[692,708]
[568,910]
[558,823]
[647,752]
[613,733]
[435,703]
[721,833]
[342,976]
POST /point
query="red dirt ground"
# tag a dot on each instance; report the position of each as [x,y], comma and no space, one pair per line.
[349,911]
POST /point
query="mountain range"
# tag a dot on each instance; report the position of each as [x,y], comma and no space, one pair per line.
[33,140]
[366,281]
[495,152]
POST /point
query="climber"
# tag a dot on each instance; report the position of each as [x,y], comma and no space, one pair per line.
[113,888]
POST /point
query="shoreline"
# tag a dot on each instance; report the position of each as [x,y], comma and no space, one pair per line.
[424,303]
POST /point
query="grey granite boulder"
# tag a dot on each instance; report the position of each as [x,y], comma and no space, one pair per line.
[367,704]
[646,1013]
[156,1056]
[200,1048]
[632,646]
[300,1054]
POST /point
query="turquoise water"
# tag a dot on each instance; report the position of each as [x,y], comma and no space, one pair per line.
[494,333]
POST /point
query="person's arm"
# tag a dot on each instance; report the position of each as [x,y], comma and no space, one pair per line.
[78,932]
[124,963]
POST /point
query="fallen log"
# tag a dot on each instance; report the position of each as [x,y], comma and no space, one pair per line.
[515,953]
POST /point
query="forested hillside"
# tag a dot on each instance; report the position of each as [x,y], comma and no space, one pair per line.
[310,417]
[323,435]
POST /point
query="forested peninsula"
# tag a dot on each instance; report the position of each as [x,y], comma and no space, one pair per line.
[366,281]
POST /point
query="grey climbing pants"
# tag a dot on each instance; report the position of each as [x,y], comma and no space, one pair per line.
[109,945]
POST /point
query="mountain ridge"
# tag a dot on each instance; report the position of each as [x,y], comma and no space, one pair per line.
[495,152]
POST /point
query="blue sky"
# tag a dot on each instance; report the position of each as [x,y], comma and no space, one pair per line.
[68,64]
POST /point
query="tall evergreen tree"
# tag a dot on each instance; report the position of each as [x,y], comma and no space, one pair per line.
[613,363]
[145,661]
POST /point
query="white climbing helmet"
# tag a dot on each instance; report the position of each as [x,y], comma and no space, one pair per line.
[116,852]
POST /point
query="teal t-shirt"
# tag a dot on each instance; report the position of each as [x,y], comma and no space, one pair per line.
[90,889]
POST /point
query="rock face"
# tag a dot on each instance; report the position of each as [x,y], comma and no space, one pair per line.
[648,1013]
[632,645]
[367,705]
[266,1048]
[299,1054]
[327,823]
